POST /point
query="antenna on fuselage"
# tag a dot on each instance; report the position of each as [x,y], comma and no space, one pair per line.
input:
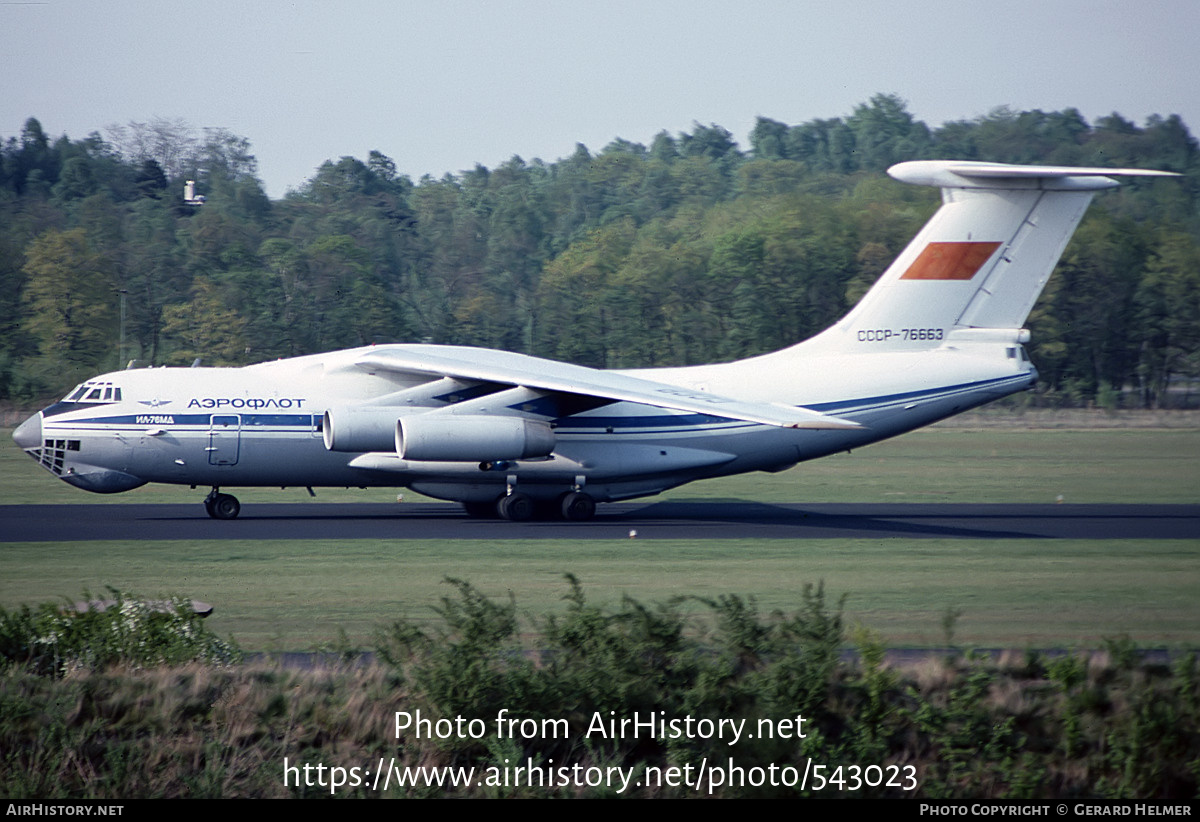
[196,363]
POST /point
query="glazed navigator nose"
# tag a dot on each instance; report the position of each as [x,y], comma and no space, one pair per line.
[29,433]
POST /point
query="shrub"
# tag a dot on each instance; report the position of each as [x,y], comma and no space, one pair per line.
[55,638]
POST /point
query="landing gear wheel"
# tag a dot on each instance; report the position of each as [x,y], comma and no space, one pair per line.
[577,507]
[515,508]
[223,506]
[481,510]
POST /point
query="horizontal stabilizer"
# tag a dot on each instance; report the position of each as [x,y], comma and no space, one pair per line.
[962,174]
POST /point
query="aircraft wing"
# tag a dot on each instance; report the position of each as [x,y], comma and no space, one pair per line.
[488,365]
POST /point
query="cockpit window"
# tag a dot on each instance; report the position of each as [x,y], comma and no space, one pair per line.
[94,392]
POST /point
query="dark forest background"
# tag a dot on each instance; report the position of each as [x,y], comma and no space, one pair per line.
[691,249]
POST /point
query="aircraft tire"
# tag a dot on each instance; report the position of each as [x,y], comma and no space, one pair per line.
[223,506]
[516,508]
[577,507]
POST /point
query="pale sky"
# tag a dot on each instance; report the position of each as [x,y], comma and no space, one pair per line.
[441,85]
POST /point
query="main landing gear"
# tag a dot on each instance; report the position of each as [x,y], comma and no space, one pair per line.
[577,506]
[516,507]
[222,506]
[574,506]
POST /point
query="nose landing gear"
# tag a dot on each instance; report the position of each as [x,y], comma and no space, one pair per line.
[222,506]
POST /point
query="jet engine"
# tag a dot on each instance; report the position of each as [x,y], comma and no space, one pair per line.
[472,438]
[360,429]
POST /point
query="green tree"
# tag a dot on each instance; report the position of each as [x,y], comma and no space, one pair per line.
[659,305]
[150,179]
[1168,314]
[1100,271]
[768,140]
[70,296]
[205,328]
[736,270]
[75,181]
[885,133]
[575,288]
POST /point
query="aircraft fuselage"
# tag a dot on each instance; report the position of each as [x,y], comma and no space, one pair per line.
[263,425]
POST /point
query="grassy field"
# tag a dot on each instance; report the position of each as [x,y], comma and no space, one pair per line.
[289,595]
[286,595]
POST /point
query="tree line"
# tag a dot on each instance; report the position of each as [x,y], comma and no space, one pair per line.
[689,249]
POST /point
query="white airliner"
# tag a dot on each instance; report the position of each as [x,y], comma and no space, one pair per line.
[510,435]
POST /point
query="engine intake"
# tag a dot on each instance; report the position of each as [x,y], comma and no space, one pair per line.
[471,438]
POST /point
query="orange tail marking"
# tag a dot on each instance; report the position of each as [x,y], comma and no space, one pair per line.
[950,261]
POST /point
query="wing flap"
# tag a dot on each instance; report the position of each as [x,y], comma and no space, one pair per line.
[487,365]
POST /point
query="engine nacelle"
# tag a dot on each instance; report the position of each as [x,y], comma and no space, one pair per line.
[360,429]
[472,438]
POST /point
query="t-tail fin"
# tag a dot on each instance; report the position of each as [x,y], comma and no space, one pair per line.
[981,261]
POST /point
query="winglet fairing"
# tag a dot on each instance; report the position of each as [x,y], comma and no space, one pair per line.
[509,434]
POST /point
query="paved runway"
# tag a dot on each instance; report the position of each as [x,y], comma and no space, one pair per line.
[651,520]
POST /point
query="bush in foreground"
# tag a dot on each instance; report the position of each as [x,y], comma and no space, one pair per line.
[55,638]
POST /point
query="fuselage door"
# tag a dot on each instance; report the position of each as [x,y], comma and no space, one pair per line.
[224,439]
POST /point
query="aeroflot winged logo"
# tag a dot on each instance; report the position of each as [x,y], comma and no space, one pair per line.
[950,261]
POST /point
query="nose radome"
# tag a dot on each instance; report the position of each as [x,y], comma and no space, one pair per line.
[29,433]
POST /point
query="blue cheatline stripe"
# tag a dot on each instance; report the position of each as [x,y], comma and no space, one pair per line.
[872,403]
[659,421]
[290,420]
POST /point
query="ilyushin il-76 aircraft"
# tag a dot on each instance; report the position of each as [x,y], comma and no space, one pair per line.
[510,435]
